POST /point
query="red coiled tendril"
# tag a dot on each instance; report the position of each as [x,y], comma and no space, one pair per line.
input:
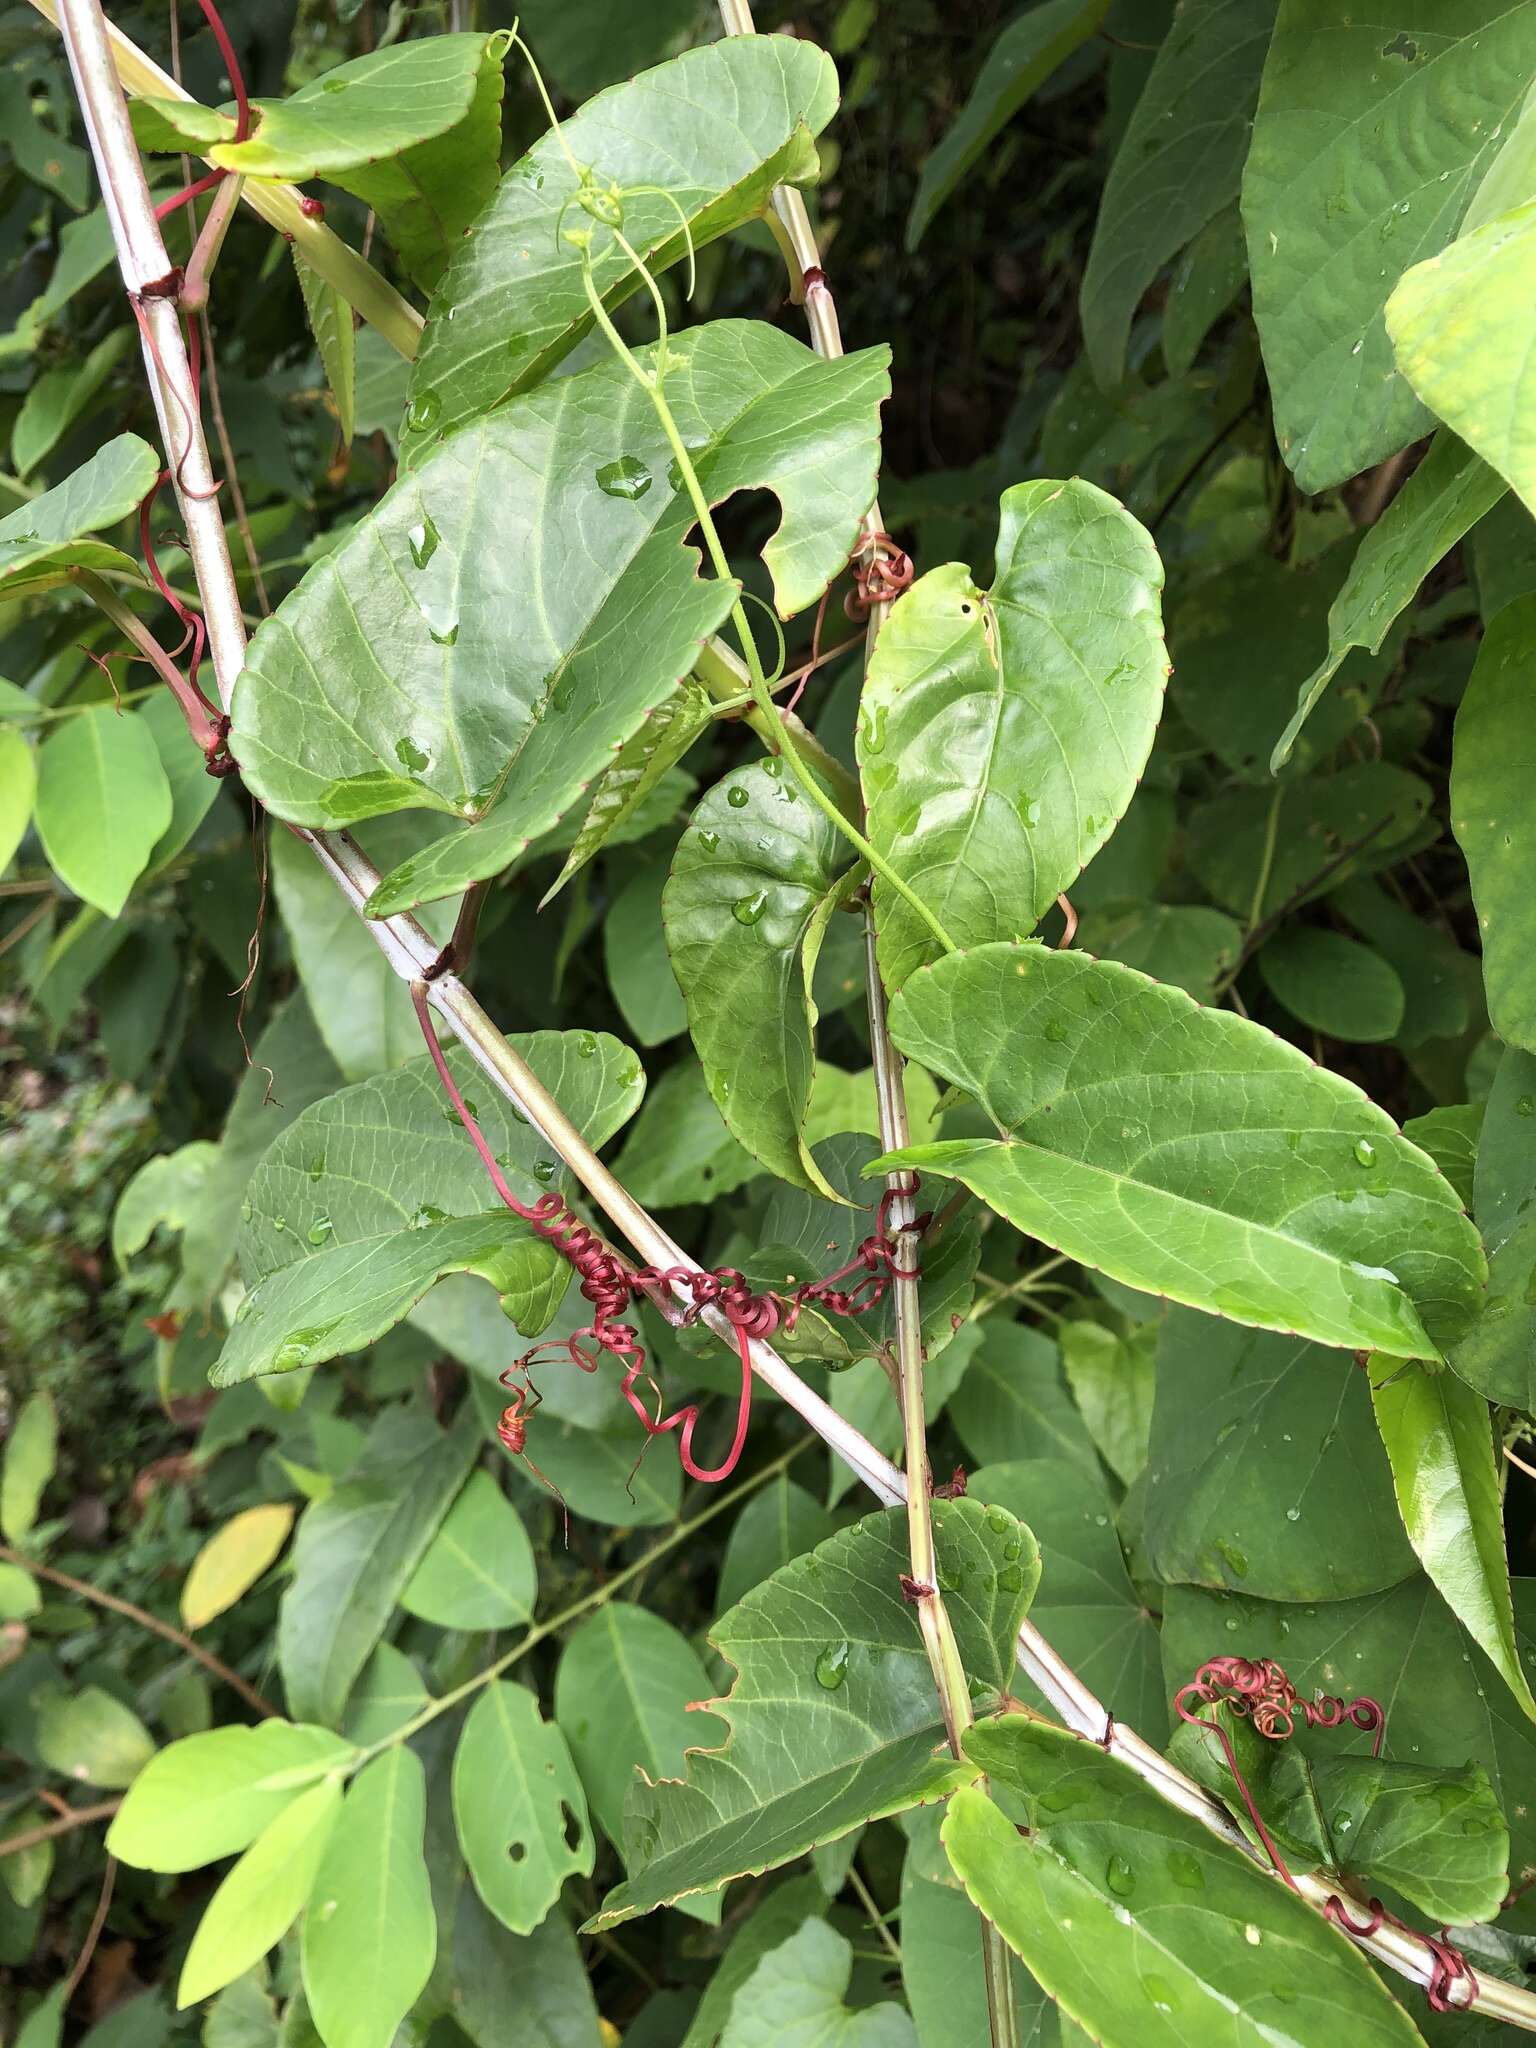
[609,1286]
[880,574]
[1258,1690]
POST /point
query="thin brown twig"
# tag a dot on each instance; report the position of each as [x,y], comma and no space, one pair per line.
[172,1634]
[46,1831]
[93,1934]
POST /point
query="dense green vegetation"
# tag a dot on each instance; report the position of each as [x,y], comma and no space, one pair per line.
[1074,748]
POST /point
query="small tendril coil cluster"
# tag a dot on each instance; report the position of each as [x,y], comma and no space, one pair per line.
[1258,1690]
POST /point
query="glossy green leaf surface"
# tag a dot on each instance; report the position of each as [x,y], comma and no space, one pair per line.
[1462,328]
[1369,141]
[370,1936]
[1086,1608]
[18,785]
[102,803]
[478,1571]
[91,1736]
[1333,984]
[1441,1444]
[404,673]
[1178,163]
[714,129]
[44,538]
[1265,1471]
[1137,1920]
[372,1194]
[623,1689]
[210,1795]
[1291,1203]
[355,1551]
[795,1998]
[262,1896]
[832,1718]
[1444,498]
[1002,733]
[1446,1705]
[1185,943]
[1495,753]
[518,1806]
[748,876]
[1436,1835]
[1030,47]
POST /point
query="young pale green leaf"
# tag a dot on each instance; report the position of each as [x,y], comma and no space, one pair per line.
[330,322]
[30,1457]
[1369,140]
[1086,1607]
[1177,166]
[1143,1925]
[511,302]
[1491,765]
[518,1806]
[233,1559]
[356,1550]
[623,1689]
[370,1935]
[1031,46]
[262,1896]
[402,672]
[43,539]
[1188,1152]
[1444,498]
[833,1717]
[211,1795]
[103,802]
[193,790]
[665,735]
[1333,984]
[18,786]
[1463,326]
[795,1998]
[1002,733]
[478,1571]
[425,194]
[90,1735]
[1440,1441]
[1265,1471]
[371,1195]
[746,881]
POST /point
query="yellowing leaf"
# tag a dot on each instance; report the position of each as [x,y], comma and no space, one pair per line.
[233,1559]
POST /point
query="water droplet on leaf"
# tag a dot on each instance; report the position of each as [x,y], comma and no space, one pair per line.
[748,909]
[627,478]
[1365,1152]
[426,409]
[423,540]
[1120,1877]
[737,797]
[832,1666]
[320,1229]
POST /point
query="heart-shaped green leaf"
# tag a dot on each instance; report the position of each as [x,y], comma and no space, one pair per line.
[374,1193]
[404,671]
[1188,1152]
[1002,733]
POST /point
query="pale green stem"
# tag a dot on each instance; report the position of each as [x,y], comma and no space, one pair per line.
[652,387]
